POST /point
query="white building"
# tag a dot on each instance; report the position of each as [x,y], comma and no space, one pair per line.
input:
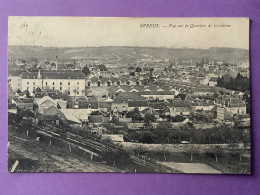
[14,79]
[70,82]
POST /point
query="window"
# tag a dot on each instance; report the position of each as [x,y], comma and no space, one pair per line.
[68,92]
[77,83]
[10,80]
[60,88]
[27,88]
[27,83]
[77,92]
[33,83]
[53,88]
[46,83]
[53,83]
[60,83]
[68,83]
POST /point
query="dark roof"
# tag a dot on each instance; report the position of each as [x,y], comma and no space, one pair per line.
[183,96]
[178,118]
[14,72]
[47,117]
[27,100]
[178,103]
[234,102]
[130,96]
[95,119]
[55,75]
[137,104]
[158,106]
[87,104]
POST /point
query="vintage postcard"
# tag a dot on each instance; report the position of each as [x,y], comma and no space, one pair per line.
[104,94]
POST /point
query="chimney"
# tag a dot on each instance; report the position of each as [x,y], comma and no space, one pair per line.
[56,63]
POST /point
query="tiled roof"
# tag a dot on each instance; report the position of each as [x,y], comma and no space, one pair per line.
[87,104]
[137,103]
[55,75]
[234,102]
[178,103]
[95,119]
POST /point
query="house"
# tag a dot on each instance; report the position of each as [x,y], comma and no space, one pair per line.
[159,94]
[181,108]
[80,114]
[24,103]
[120,105]
[12,109]
[151,112]
[48,119]
[44,103]
[213,81]
[202,91]
[14,79]
[70,82]
[184,97]
[141,105]
[204,105]
[96,119]
[236,106]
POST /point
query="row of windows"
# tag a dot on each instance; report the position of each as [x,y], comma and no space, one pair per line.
[76,92]
[52,83]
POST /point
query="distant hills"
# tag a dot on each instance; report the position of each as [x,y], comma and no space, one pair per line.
[128,53]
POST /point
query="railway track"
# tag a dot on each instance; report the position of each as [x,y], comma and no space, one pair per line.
[100,148]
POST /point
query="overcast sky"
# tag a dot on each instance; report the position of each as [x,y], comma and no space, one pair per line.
[85,31]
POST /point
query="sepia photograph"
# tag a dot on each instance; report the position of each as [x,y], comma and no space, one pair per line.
[129,95]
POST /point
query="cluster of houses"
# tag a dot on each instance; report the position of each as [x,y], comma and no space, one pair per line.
[169,92]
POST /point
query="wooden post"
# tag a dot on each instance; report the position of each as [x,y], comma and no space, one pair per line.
[91,156]
[8,144]
[27,133]
[14,166]
[70,147]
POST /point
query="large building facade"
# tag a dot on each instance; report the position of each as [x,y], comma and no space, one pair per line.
[69,82]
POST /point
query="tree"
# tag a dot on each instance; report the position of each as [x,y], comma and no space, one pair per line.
[217,152]
[86,70]
[102,67]
[37,90]
[149,118]
[132,74]
[137,116]
[138,69]
[147,138]
[63,96]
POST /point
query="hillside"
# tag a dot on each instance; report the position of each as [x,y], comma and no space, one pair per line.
[34,156]
[127,53]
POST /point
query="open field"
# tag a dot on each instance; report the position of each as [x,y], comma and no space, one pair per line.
[192,167]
